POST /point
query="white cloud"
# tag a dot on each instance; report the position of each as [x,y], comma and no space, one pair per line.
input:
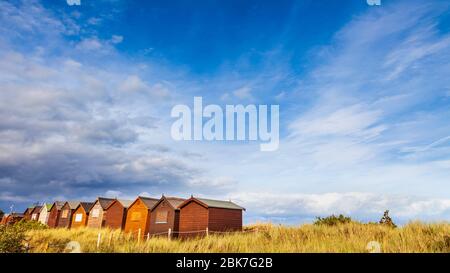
[134,83]
[358,205]
[243,93]
[90,44]
[73,2]
[355,120]
[116,39]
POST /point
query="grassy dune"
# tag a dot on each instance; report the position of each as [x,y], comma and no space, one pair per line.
[351,237]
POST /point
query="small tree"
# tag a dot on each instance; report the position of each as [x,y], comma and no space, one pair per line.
[386,220]
[11,239]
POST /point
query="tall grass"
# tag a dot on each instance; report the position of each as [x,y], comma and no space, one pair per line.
[350,237]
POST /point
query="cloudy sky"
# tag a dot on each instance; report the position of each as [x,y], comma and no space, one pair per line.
[86,90]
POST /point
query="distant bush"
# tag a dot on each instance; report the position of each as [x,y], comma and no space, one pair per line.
[30,225]
[333,220]
[11,239]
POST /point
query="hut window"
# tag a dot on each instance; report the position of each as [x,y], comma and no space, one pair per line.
[64,214]
[78,217]
[95,213]
[135,216]
[34,216]
[161,217]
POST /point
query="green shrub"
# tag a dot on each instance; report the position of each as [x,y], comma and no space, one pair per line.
[333,220]
[11,239]
[30,225]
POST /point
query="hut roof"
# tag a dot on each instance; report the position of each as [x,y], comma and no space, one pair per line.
[211,203]
[125,203]
[87,206]
[173,201]
[105,202]
[73,204]
[37,208]
[58,204]
[220,204]
[148,201]
[28,210]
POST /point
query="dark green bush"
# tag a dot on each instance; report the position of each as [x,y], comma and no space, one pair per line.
[333,220]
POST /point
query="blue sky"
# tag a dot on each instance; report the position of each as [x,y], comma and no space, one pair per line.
[86,92]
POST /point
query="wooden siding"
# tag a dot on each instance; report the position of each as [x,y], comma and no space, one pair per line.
[65,217]
[27,214]
[193,217]
[96,216]
[138,217]
[53,217]
[76,221]
[115,216]
[171,218]
[43,215]
[224,219]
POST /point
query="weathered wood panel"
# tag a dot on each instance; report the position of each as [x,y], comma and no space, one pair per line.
[79,218]
[65,217]
[53,217]
[138,217]
[162,218]
[224,219]
[115,216]
[95,218]
[193,217]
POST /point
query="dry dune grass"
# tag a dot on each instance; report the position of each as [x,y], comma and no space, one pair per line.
[351,237]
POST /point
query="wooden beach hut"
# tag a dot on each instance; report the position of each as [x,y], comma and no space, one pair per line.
[44,213]
[201,214]
[35,213]
[96,217]
[10,219]
[54,214]
[81,214]
[116,213]
[65,214]
[27,213]
[138,216]
[165,215]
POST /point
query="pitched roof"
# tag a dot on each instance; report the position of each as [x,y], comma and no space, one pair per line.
[59,204]
[173,201]
[105,202]
[28,210]
[220,204]
[73,204]
[87,206]
[125,203]
[148,201]
[211,203]
[37,209]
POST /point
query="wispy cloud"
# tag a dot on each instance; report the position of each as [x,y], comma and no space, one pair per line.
[364,121]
